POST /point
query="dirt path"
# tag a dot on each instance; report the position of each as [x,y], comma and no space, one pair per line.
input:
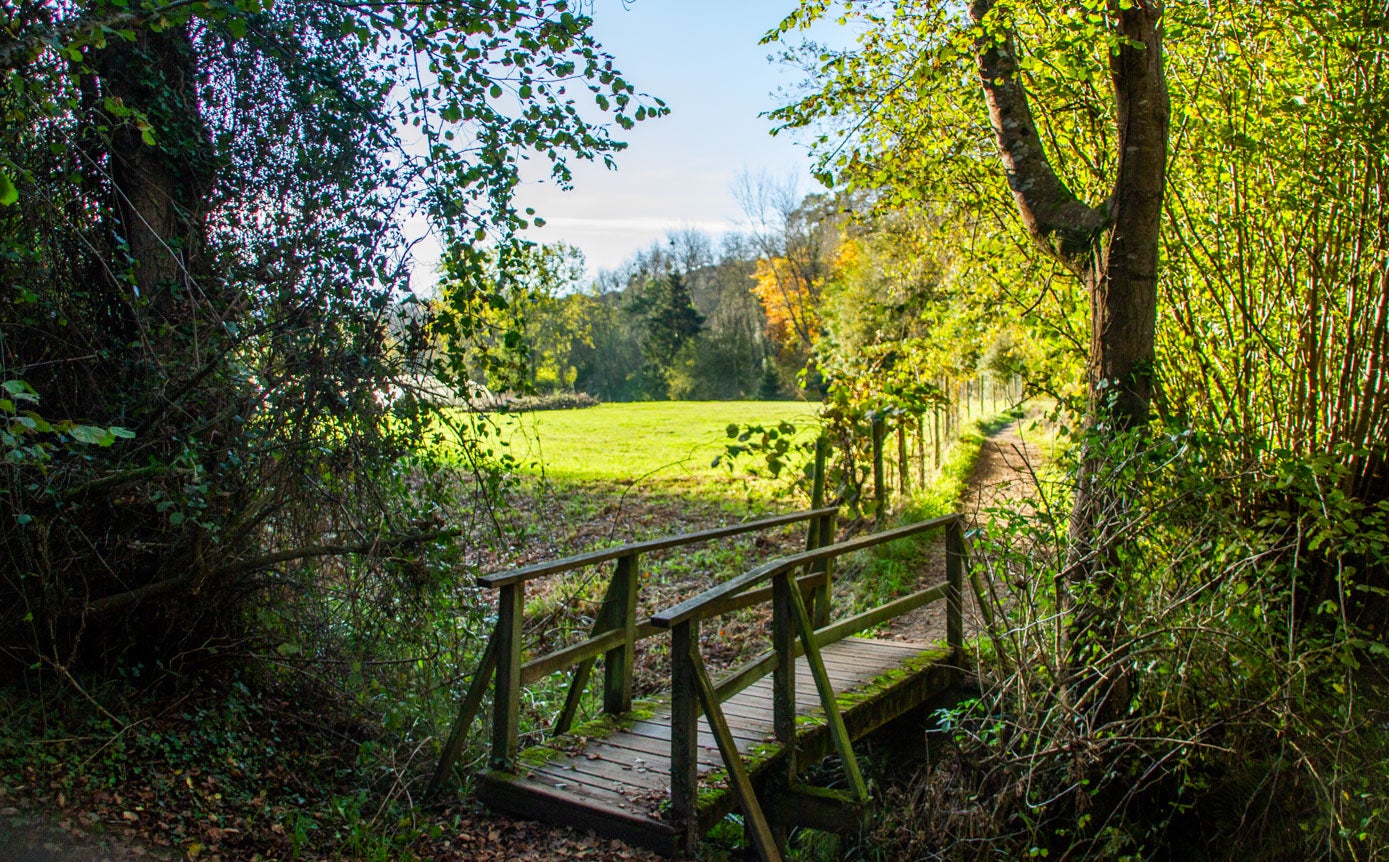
[34,838]
[1003,475]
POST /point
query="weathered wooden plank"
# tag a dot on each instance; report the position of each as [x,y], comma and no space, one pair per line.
[608,774]
[866,650]
[542,803]
[603,782]
[735,682]
[570,655]
[617,662]
[589,786]
[954,612]
[657,729]
[784,706]
[684,729]
[806,699]
[755,821]
[855,624]
[578,561]
[636,806]
[652,753]
[506,700]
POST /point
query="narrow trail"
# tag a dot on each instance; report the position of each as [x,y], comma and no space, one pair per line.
[1004,475]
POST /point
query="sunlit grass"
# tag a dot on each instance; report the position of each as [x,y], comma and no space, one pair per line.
[656,440]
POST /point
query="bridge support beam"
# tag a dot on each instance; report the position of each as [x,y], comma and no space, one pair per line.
[818,808]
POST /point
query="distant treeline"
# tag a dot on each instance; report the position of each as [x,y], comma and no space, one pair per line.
[690,317]
[679,320]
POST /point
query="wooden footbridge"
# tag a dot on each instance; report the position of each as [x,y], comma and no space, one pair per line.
[663,771]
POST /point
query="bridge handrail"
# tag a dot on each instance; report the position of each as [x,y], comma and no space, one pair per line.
[614,635]
[794,633]
[602,555]
[711,601]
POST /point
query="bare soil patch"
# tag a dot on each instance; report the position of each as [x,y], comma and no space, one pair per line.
[1003,476]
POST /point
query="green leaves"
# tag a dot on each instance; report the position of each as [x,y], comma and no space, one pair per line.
[91,435]
[9,195]
[20,390]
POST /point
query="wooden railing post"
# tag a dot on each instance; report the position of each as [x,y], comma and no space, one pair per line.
[879,479]
[813,538]
[684,730]
[820,611]
[506,702]
[820,532]
[954,608]
[784,676]
[617,662]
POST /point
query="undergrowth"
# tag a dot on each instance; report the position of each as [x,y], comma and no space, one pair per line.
[1247,703]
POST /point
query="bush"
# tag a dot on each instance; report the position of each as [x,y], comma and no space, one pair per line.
[1253,721]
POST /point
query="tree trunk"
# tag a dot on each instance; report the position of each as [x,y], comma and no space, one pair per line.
[1113,249]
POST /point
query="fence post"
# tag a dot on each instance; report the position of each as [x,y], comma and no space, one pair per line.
[904,482]
[820,614]
[506,698]
[820,531]
[817,491]
[921,450]
[879,480]
[935,436]
[617,662]
[684,731]
[784,676]
[954,609]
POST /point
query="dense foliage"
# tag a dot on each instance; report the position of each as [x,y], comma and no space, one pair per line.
[1241,534]
[678,320]
[220,394]
[206,321]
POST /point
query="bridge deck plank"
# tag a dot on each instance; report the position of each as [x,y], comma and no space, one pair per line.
[617,785]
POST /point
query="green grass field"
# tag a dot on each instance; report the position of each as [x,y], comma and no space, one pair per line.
[644,440]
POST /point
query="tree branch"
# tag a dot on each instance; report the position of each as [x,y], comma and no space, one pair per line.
[378,546]
[112,604]
[1055,218]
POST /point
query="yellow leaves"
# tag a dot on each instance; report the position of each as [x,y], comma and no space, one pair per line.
[789,301]
[847,255]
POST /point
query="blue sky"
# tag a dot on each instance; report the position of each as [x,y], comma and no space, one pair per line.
[703,59]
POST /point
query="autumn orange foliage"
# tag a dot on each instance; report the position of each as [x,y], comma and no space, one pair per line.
[789,301]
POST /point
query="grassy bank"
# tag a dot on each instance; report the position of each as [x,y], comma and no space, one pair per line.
[644,440]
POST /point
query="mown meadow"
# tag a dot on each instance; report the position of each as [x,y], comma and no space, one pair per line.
[652,443]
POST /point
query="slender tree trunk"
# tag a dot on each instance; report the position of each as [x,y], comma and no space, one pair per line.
[1113,249]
